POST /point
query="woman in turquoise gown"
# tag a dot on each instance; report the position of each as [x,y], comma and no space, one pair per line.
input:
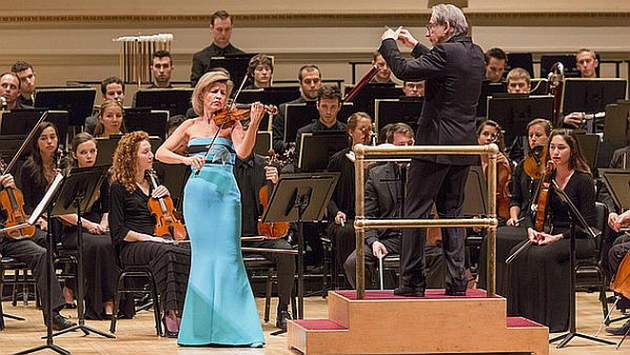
[219,308]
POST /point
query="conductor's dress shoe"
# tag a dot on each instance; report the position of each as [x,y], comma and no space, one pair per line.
[406,291]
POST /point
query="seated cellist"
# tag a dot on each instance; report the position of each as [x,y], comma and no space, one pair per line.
[616,255]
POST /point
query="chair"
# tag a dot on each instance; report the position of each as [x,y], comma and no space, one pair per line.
[8,263]
[2,314]
[589,272]
[137,272]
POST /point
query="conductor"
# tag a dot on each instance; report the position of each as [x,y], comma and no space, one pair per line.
[453,70]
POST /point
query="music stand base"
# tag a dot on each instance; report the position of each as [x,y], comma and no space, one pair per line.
[12,316]
[53,347]
[566,338]
[279,332]
[86,329]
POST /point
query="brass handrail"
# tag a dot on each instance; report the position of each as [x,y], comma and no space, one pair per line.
[362,154]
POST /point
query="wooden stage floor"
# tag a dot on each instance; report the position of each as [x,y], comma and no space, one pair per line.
[137,336]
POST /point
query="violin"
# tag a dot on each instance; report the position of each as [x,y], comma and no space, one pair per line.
[167,225]
[536,161]
[12,202]
[541,195]
[271,230]
[238,112]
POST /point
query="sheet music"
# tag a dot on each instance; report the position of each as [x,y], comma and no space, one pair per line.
[54,186]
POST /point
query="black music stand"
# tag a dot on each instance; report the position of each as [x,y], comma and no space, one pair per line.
[151,121]
[235,64]
[78,193]
[317,148]
[618,183]
[46,206]
[405,110]
[589,142]
[299,115]
[576,217]
[617,122]
[78,101]
[107,146]
[299,198]
[263,142]
[488,89]
[22,122]
[174,100]
[591,95]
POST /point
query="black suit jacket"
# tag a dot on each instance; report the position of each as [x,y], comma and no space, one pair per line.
[454,71]
[382,199]
[279,144]
[201,60]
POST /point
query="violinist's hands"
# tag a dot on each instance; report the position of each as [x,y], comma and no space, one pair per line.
[391,34]
[93,228]
[160,191]
[541,238]
[574,118]
[196,161]
[7,180]
[340,218]
[405,37]
[379,247]
[257,113]
[502,159]
[616,222]
[271,174]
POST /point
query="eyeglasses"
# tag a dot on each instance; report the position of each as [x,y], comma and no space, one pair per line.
[430,25]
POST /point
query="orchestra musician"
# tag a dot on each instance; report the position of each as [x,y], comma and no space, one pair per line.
[310,78]
[252,174]
[341,211]
[260,71]
[101,271]
[495,61]
[132,226]
[110,120]
[384,74]
[454,71]
[538,278]
[616,254]
[28,82]
[36,174]
[220,307]
[112,88]
[10,91]
[508,236]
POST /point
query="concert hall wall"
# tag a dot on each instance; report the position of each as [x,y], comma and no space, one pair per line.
[72,40]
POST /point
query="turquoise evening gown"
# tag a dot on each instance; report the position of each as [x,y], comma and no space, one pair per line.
[219,307]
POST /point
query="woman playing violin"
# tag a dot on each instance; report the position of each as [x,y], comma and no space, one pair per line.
[490,132]
[132,226]
[220,307]
[538,131]
[538,278]
[100,266]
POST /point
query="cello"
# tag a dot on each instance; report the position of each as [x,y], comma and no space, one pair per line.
[167,225]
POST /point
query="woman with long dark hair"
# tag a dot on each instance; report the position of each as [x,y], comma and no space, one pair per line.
[538,278]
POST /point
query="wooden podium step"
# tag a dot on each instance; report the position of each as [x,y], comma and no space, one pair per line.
[383,323]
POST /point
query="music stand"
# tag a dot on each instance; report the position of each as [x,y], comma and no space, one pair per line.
[576,217]
[589,144]
[617,122]
[46,205]
[107,146]
[22,122]
[263,142]
[488,89]
[520,60]
[78,101]
[176,100]
[568,60]
[618,183]
[405,110]
[235,64]
[591,95]
[9,145]
[364,101]
[274,95]
[475,203]
[77,193]
[316,149]
[174,177]
[153,122]
[513,113]
[299,198]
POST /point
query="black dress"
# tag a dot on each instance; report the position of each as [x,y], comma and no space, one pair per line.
[100,266]
[170,264]
[538,279]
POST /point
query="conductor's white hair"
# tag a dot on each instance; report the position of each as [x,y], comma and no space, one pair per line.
[450,13]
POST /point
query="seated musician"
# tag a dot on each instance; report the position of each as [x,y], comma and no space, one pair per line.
[100,264]
[110,120]
[37,173]
[328,106]
[162,69]
[384,74]
[10,91]
[251,175]
[617,253]
[518,81]
[341,205]
[310,78]
[260,71]
[542,271]
[28,82]
[132,226]
[413,88]
[586,62]
[495,60]
[538,131]
[112,88]
[382,200]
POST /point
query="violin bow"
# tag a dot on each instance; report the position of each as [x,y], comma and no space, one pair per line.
[232,105]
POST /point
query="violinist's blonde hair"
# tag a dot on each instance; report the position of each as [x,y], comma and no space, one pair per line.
[124,162]
[206,80]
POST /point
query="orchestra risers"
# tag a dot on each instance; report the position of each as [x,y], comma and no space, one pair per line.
[382,323]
